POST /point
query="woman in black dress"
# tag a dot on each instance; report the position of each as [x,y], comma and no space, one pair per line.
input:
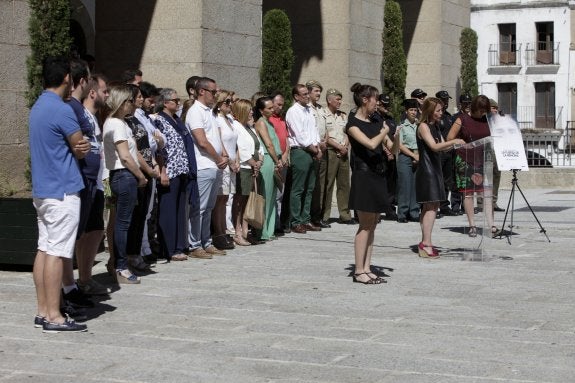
[368,183]
[429,190]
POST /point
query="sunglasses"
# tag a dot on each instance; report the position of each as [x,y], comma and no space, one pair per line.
[227,101]
[212,91]
[176,100]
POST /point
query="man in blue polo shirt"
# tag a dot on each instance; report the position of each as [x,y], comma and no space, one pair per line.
[56,144]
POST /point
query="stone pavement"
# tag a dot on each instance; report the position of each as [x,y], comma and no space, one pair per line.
[288,312]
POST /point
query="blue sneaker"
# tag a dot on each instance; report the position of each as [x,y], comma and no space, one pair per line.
[69,325]
[39,321]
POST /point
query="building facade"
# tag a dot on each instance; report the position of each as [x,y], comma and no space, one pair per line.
[336,42]
[525,53]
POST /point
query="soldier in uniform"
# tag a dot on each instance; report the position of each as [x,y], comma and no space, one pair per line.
[337,160]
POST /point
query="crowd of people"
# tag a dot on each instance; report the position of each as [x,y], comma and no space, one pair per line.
[176,174]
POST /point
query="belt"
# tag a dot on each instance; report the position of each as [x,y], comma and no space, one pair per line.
[295,147]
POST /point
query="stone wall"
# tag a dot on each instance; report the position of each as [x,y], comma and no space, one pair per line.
[336,42]
[14,49]
[175,39]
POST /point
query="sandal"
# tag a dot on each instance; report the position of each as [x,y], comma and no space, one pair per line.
[375,278]
[472,231]
[368,282]
[424,254]
[240,241]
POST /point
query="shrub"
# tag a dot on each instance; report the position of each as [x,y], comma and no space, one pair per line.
[277,54]
[394,62]
[468,52]
[49,36]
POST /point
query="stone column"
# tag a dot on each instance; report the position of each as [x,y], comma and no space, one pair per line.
[14,49]
[432,31]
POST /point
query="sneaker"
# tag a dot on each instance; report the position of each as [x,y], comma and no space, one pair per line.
[69,325]
[93,288]
[77,314]
[78,299]
[199,253]
[39,321]
[212,250]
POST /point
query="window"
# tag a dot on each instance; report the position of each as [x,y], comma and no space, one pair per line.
[507,44]
[507,98]
[545,43]
[545,105]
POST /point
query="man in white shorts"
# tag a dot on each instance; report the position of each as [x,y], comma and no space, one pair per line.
[56,144]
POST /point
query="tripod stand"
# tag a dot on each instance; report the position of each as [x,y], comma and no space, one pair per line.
[511,202]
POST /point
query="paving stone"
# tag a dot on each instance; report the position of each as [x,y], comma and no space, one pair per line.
[287,312]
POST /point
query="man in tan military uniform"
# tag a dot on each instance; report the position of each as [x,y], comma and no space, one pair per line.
[318,112]
[337,159]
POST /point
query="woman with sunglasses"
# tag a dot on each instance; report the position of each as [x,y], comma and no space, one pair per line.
[229,136]
[178,171]
[121,156]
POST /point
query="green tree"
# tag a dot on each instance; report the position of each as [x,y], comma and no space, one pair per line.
[49,36]
[468,52]
[394,63]
[277,54]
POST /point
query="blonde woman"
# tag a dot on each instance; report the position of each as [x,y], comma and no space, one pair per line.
[229,136]
[250,156]
[121,157]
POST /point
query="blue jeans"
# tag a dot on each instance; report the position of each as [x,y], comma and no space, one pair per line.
[124,185]
[209,181]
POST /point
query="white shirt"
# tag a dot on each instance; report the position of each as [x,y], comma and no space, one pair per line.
[116,130]
[301,126]
[201,117]
[228,134]
[247,145]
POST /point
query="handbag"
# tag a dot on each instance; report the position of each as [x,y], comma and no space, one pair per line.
[254,211]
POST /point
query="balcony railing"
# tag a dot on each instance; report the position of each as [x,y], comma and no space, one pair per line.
[504,55]
[542,53]
[528,118]
[550,148]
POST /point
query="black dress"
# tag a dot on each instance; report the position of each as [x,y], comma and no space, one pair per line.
[368,183]
[428,176]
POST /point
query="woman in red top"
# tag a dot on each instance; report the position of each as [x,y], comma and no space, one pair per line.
[469,162]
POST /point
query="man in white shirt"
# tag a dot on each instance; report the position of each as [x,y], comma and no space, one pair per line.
[201,122]
[304,144]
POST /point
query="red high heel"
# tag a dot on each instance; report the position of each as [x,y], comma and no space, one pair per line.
[424,254]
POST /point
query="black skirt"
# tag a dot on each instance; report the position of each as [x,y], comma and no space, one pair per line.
[368,191]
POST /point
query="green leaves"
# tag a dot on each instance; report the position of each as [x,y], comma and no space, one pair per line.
[48,27]
[277,54]
[468,51]
[394,63]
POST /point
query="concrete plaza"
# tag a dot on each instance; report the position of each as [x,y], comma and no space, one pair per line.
[287,311]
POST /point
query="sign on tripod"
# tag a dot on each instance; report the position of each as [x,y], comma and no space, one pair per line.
[507,143]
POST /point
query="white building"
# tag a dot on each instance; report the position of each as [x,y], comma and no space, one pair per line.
[525,53]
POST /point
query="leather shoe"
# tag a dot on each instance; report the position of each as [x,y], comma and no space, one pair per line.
[402,220]
[414,219]
[390,216]
[311,227]
[300,229]
[323,224]
[347,222]
[497,208]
